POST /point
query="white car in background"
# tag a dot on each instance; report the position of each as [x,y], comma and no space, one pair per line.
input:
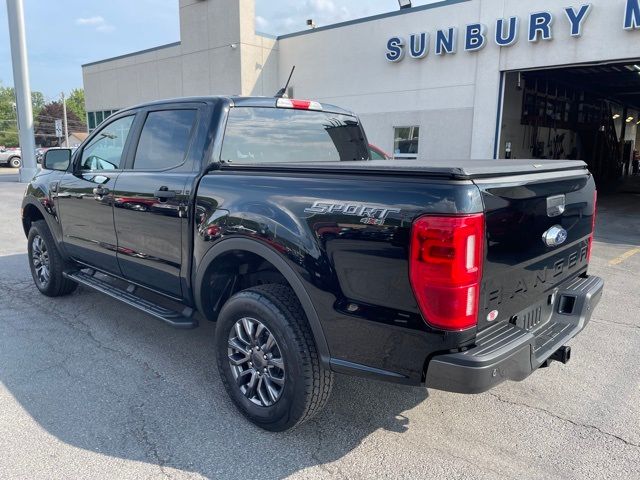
[10,157]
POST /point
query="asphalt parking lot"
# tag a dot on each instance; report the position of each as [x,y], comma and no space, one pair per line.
[9,174]
[90,388]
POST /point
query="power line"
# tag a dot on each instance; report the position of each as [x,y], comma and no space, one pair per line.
[51,135]
[52,122]
[47,120]
[47,116]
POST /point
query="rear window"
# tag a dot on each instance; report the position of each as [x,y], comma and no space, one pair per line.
[275,135]
[164,140]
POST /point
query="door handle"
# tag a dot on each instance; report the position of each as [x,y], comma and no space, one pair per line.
[163,193]
[101,191]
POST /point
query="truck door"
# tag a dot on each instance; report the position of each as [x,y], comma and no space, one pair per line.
[151,197]
[85,196]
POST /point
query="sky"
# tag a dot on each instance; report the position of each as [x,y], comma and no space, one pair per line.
[64,34]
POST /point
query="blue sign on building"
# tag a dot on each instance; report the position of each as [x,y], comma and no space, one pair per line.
[540,26]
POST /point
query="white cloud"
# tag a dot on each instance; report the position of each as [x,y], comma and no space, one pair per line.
[97,20]
[100,24]
[261,23]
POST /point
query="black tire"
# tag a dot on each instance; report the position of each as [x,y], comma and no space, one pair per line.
[15,162]
[307,385]
[43,249]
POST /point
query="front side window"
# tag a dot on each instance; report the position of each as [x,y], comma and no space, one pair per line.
[406,142]
[276,135]
[105,151]
[164,140]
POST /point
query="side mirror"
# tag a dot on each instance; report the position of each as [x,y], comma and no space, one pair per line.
[58,159]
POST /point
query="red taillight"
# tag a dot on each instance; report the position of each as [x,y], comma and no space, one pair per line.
[298,104]
[593,225]
[446,269]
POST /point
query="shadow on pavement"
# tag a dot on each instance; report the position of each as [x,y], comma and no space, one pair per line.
[100,376]
[617,221]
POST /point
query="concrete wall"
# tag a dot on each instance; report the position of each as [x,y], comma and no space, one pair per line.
[134,79]
[219,54]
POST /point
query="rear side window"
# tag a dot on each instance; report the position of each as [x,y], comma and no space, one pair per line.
[275,135]
[164,140]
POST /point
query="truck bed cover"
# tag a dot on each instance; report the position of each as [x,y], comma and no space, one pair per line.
[451,169]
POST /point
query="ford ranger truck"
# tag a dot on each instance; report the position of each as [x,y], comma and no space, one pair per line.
[268,217]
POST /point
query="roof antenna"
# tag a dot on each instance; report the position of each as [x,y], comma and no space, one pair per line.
[283,91]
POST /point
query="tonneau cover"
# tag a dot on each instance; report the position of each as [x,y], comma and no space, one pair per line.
[452,169]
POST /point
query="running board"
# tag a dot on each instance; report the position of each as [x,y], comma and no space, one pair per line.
[182,320]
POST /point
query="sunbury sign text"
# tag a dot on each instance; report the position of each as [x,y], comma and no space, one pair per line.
[539,26]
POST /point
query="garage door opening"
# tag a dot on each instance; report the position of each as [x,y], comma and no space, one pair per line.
[591,113]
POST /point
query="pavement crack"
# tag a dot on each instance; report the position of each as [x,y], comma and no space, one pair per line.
[611,322]
[151,446]
[316,457]
[75,322]
[567,420]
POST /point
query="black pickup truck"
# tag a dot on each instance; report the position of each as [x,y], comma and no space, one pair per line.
[268,217]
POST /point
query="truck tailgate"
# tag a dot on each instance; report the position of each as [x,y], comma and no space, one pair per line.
[522,273]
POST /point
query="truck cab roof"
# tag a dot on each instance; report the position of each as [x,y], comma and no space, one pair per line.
[235,101]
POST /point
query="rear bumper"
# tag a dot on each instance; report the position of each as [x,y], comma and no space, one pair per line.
[509,352]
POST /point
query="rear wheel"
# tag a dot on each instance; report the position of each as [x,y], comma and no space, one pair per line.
[46,263]
[15,162]
[267,358]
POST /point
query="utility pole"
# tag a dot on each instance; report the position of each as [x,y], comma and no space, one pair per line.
[15,15]
[66,123]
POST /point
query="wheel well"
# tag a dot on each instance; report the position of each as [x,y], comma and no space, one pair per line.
[232,272]
[30,214]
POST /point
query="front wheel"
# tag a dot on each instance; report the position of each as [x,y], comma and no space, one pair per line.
[46,263]
[268,360]
[15,162]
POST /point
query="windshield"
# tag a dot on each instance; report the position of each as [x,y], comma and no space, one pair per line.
[276,135]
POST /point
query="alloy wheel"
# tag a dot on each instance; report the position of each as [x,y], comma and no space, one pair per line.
[256,362]
[40,260]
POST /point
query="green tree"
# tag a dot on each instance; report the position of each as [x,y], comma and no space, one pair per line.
[75,103]
[8,126]
[38,102]
[8,120]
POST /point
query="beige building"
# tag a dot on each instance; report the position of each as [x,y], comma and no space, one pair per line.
[452,79]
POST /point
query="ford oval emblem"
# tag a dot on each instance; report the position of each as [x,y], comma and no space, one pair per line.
[555,236]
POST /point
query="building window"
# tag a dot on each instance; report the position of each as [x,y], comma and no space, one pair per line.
[96,118]
[406,140]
